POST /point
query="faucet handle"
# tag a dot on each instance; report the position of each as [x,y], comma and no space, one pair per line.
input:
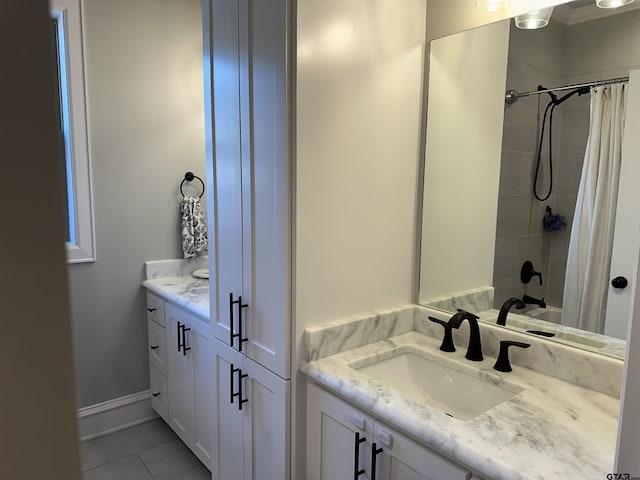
[502,363]
[447,340]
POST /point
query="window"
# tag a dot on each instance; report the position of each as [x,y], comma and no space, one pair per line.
[72,127]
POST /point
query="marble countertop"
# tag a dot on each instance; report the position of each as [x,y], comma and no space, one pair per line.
[551,430]
[185,291]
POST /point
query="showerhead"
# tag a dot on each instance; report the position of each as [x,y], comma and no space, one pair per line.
[579,91]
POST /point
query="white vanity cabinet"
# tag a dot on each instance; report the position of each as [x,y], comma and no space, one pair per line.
[252,414]
[249,158]
[180,359]
[344,442]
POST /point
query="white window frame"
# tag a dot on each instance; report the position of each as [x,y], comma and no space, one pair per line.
[81,247]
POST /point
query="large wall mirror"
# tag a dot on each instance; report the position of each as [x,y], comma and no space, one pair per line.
[507,234]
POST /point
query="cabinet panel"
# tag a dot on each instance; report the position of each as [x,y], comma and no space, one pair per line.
[203,401]
[406,459]
[227,163]
[159,396]
[332,426]
[266,424]
[228,419]
[179,376]
[266,227]
[157,347]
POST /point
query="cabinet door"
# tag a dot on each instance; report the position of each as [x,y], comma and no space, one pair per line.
[157,347]
[203,401]
[228,419]
[401,458]
[266,424]
[179,375]
[227,164]
[264,80]
[335,433]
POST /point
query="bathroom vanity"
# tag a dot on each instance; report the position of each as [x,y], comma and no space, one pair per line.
[377,402]
[180,355]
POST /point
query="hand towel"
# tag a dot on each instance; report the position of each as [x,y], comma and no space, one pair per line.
[194,228]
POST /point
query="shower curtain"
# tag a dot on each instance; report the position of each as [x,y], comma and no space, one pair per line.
[589,258]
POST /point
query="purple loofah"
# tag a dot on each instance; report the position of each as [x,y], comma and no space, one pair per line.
[553,223]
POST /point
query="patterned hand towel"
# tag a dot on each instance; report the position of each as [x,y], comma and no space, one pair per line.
[194,228]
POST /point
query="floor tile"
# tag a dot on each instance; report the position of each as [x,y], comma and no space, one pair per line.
[198,473]
[125,443]
[169,460]
[130,468]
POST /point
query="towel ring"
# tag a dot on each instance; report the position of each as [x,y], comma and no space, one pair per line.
[188,177]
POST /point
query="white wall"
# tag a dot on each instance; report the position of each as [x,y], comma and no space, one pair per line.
[146,119]
[358,136]
[462,167]
[38,426]
[359,91]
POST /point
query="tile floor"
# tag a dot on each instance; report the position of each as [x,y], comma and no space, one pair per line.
[150,451]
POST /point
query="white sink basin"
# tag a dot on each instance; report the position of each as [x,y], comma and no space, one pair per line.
[456,390]
[200,290]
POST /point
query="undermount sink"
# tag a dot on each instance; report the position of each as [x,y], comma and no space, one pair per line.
[459,391]
[200,290]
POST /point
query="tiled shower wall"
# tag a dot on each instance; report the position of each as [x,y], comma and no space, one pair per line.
[520,235]
[553,56]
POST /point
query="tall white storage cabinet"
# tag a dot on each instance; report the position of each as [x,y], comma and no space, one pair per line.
[248,159]
[352,80]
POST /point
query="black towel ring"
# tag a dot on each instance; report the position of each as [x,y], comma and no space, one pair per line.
[188,177]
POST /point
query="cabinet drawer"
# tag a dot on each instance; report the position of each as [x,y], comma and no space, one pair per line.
[159,396]
[155,308]
[157,347]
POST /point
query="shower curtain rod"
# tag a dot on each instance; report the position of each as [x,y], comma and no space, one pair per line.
[511,95]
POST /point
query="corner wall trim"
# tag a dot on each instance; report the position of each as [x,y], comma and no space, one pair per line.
[113,415]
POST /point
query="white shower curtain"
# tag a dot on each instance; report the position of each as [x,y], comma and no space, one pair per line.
[589,259]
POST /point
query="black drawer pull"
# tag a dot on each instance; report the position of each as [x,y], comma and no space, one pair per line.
[374,454]
[232,335]
[357,471]
[184,340]
[179,325]
[151,310]
[154,347]
[155,394]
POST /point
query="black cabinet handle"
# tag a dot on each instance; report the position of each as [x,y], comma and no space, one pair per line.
[179,325]
[231,303]
[242,400]
[232,335]
[154,347]
[184,340]
[374,455]
[357,471]
[232,371]
[151,310]
[155,394]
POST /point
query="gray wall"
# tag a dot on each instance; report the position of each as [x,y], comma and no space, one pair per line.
[146,121]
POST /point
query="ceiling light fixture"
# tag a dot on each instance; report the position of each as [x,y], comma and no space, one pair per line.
[536,19]
[493,5]
[612,3]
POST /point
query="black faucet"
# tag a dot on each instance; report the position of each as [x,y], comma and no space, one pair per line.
[506,306]
[534,301]
[474,350]
[502,363]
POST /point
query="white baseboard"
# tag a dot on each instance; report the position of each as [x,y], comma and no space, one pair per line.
[113,415]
